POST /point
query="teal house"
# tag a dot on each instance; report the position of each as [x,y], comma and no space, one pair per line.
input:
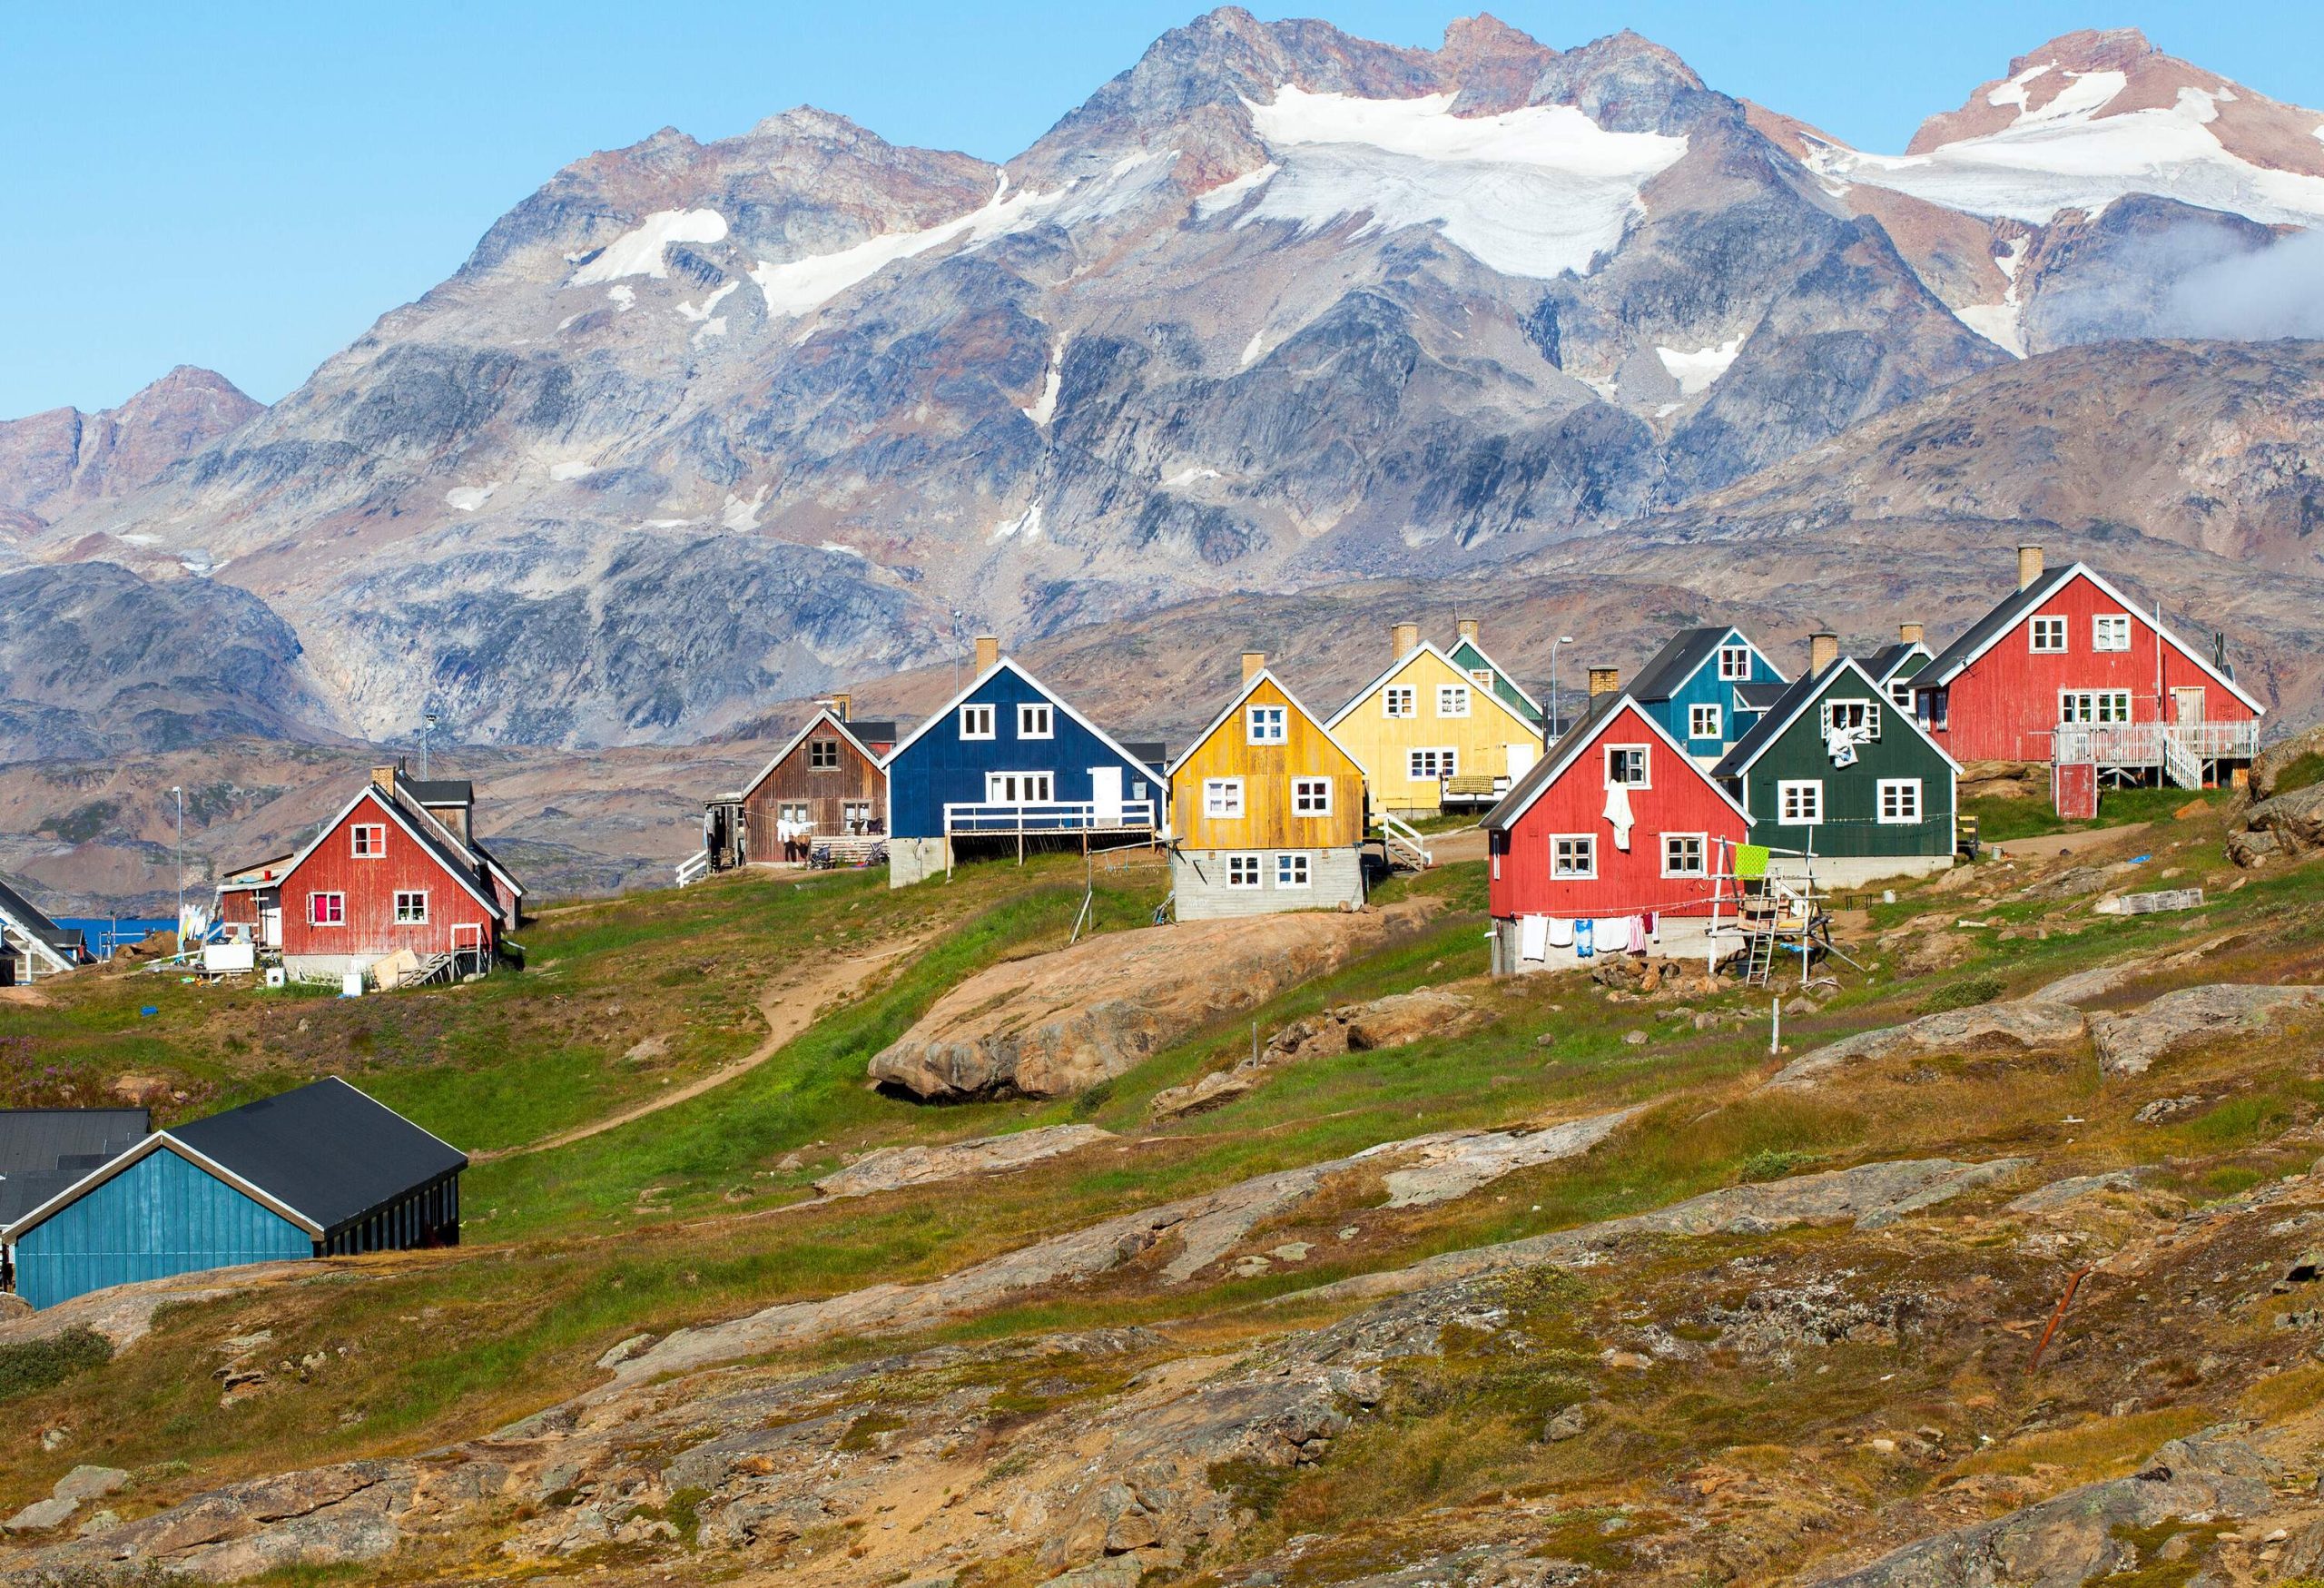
[1840,782]
[1468,654]
[1699,687]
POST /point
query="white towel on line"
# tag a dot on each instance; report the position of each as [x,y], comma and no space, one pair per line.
[1533,937]
[1560,933]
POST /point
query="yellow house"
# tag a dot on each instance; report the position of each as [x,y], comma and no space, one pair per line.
[1267,810]
[1427,731]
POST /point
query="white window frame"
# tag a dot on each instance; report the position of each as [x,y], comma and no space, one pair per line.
[1222,799]
[978,721]
[1812,788]
[1257,720]
[2085,706]
[1446,760]
[314,902]
[1706,722]
[1243,870]
[1452,700]
[1735,664]
[1900,694]
[798,811]
[1702,867]
[1311,796]
[2110,631]
[1036,719]
[2048,627]
[1573,857]
[404,894]
[1645,778]
[1400,701]
[1293,871]
[1484,676]
[367,840]
[1899,786]
[1047,796]
[1867,710]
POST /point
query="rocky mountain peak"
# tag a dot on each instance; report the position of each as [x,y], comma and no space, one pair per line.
[63,458]
[1494,64]
[1629,83]
[2089,49]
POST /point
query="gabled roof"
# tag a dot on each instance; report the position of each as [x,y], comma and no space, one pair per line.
[1261,676]
[1758,696]
[446,791]
[1501,674]
[1883,663]
[1426,648]
[1987,631]
[1778,719]
[50,940]
[427,832]
[1594,720]
[42,1150]
[1682,656]
[1054,698]
[823,714]
[455,843]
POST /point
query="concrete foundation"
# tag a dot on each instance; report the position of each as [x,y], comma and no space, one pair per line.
[1859,871]
[1678,937]
[1198,879]
[915,860]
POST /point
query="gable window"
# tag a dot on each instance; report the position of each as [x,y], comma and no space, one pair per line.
[1036,722]
[1222,797]
[1703,722]
[1626,765]
[1800,804]
[1900,801]
[1573,855]
[1734,664]
[1019,788]
[1242,871]
[822,754]
[371,841]
[1311,796]
[2111,631]
[1452,700]
[2049,635]
[1429,764]
[2093,706]
[1266,725]
[1400,700]
[1852,716]
[976,722]
[1290,870]
[1683,855]
[326,909]
[1484,675]
[411,908]
[1900,694]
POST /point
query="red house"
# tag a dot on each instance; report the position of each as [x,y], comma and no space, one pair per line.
[1617,827]
[2069,670]
[397,868]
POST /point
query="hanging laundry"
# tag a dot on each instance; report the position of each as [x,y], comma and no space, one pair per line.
[1560,933]
[1750,859]
[1585,940]
[1842,743]
[1533,937]
[1618,814]
[1637,924]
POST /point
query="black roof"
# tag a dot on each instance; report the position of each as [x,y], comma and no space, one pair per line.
[874,730]
[43,1151]
[1542,771]
[440,792]
[1758,696]
[1153,751]
[1883,663]
[30,917]
[1676,662]
[326,1150]
[1998,621]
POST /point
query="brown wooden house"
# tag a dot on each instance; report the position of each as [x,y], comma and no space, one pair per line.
[825,782]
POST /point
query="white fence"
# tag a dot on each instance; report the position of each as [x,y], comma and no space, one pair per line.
[2154,744]
[1049,817]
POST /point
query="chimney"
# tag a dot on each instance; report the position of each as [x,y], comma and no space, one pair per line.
[385,777]
[1823,650]
[842,704]
[1604,681]
[2029,566]
[1912,633]
[1468,629]
[988,652]
[1254,664]
[1403,638]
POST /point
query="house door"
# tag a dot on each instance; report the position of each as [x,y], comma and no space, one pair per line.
[468,945]
[2187,705]
[1106,796]
[269,919]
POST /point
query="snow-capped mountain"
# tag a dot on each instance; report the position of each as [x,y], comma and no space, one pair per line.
[700,426]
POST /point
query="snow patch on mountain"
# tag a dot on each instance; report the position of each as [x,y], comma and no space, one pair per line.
[800,286]
[1532,193]
[1695,371]
[640,252]
[1227,195]
[1026,524]
[1043,408]
[468,498]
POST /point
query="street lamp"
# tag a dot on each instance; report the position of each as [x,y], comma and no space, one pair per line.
[180,793]
[427,731]
[1564,639]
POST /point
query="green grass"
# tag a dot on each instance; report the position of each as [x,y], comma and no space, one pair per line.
[2306,772]
[2004,821]
[30,1365]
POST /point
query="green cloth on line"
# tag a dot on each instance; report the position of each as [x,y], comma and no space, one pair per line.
[1750,859]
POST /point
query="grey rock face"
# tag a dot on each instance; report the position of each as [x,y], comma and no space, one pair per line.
[2130,1044]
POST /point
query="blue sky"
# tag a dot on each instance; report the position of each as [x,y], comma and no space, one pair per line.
[248,186]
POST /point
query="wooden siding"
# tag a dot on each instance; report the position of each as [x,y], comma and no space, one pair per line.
[1470,659]
[371,886]
[1851,793]
[1706,687]
[940,768]
[160,1215]
[1682,799]
[1382,745]
[826,791]
[1268,821]
[2003,705]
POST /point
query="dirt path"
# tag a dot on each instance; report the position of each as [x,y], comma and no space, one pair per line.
[788,1008]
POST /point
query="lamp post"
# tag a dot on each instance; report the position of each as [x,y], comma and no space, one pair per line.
[427,731]
[1564,639]
[180,793]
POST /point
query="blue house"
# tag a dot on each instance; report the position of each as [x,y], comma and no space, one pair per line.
[320,1171]
[1007,764]
[1700,686]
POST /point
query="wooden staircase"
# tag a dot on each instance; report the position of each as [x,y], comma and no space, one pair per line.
[1406,850]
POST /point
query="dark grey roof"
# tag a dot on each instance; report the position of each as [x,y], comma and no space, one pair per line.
[325,1149]
[43,1151]
[1772,721]
[874,731]
[2016,605]
[1542,771]
[1758,696]
[29,916]
[1884,663]
[440,791]
[1676,661]
[1152,752]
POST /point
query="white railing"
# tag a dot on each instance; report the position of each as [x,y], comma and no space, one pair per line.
[694,868]
[1403,844]
[2154,744]
[2181,766]
[1049,817]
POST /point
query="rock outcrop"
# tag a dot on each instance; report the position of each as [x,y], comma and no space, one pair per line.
[2131,1043]
[890,1168]
[2282,828]
[1384,1023]
[2025,1025]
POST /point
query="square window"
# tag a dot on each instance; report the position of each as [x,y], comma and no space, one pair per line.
[1222,797]
[1020,788]
[1626,765]
[1683,855]
[1852,716]
[1452,700]
[1266,725]
[1036,722]
[1573,855]
[326,909]
[370,842]
[2111,631]
[1900,800]
[2049,634]
[1734,664]
[1428,766]
[797,814]
[822,754]
[1703,722]
[1290,870]
[1484,675]
[1400,700]
[1311,796]
[1900,694]
[1800,804]
[976,722]
[1242,871]
[411,909]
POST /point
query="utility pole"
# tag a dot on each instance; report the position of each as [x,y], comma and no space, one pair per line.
[1552,716]
[180,793]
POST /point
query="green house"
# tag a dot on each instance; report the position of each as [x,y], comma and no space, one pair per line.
[1468,656]
[1837,779]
